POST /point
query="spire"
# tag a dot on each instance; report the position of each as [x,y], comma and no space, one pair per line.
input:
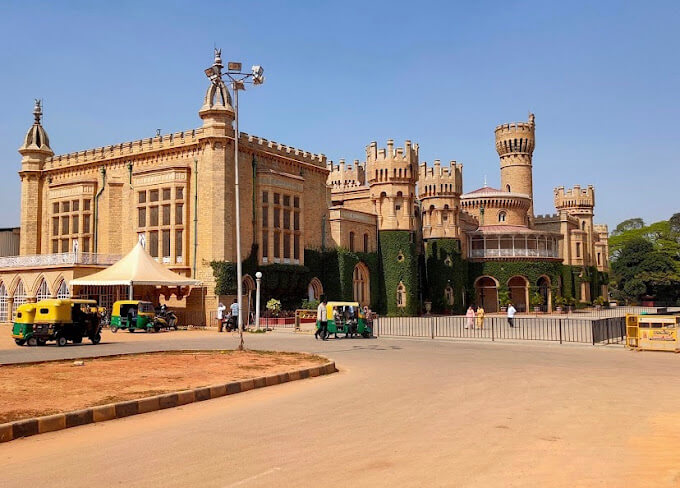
[36,140]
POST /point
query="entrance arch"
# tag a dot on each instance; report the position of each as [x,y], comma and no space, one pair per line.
[543,284]
[486,289]
[361,284]
[519,292]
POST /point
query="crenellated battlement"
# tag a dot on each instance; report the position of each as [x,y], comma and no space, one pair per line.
[546,217]
[440,180]
[407,154]
[575,197]
[281,149]
[601,229]
[516,137]
[125,149]
[342,176]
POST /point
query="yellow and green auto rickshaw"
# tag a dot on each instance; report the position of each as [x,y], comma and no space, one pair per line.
[64,320]
[22,331]
[346,317]
[133,315]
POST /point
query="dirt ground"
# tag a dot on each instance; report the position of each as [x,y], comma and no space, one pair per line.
[61,386]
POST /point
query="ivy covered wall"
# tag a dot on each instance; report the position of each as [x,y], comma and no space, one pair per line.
[504,270]
[444,266]
[399,260]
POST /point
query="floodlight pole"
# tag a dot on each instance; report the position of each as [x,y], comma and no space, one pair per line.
[258,279]
[239,267]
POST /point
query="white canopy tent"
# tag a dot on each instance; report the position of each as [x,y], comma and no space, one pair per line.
[135,268]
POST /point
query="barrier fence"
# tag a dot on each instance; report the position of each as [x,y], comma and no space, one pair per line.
[609,330]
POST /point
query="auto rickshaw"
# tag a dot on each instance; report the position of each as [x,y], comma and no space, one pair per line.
[64,320]
[347,317]
[22,331]
[133,315]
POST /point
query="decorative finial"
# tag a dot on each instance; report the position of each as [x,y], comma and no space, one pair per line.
[37,110]
[218,57]
[485,185]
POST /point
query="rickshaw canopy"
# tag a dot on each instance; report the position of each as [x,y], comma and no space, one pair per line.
[25,313]
[331,305]
[54,310]
[142,307]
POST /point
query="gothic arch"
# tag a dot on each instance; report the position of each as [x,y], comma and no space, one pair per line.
[519,292]
[3,303]
[56,284]
[544,288]
[361,285]
[486,288]
[314,289]
[42,291]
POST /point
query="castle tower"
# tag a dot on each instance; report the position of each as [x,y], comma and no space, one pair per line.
[580,203]
[344,176]
[34,151]
[392,174]
[439,190]
[515,146]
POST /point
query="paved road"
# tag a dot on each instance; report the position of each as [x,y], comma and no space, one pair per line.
[400,413]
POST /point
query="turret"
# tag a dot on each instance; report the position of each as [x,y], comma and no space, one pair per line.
[344,177]
[515,147]
[439,190]
[34,151]
[392,175]
[580,203]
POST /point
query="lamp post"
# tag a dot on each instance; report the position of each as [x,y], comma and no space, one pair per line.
[258,279]
[238,80]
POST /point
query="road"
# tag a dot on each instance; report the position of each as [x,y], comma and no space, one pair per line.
[399,413]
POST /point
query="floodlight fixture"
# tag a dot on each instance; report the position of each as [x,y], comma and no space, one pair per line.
[233,66]
[258,71]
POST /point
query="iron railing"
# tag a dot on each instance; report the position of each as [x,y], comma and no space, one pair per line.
[552,329]
[64,258]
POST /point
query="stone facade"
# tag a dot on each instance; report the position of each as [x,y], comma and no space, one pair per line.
[176,193]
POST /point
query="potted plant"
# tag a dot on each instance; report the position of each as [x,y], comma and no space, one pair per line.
[536,301]
[560,302]
[570,301]
[504,299]
[274,308]
[599,302]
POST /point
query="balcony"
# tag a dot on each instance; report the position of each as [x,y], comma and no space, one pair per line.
[514,253]
[58,259]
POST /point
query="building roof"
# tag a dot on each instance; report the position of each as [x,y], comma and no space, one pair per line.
[487,191]
[510,229]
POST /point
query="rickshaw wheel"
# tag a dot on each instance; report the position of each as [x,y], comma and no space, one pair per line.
[32,341]
[20,342]
[96,339]
[114,329]
[131,329]
[61,341]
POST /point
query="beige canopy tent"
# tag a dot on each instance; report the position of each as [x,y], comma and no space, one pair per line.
[135,268]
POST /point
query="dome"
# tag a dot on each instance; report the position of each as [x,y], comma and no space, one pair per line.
[217,97]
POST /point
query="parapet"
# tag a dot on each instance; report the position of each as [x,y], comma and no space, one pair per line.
[346,176]
[516,137]
[256,142]
[440,180]
[125,149]
[575,197]
[406,154]
[601,229]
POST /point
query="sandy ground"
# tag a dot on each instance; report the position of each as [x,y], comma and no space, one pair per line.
[43,389]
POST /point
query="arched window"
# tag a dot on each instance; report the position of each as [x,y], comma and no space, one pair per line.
[507,187]
[583,225]
[62,291]
[360,284]
[365,242]
[19,298]
[43,292]
[3,303]
[351,241]
[448,295]
[401,295]
[502,216]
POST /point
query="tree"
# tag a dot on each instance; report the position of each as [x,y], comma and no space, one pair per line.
[627,225]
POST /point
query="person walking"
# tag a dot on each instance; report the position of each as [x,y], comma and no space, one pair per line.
[511,315]
[221,308]
[480,317]
[321,320]
[470,318]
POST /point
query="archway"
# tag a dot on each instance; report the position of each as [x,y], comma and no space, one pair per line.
[519,289]
[543,284]
[361,284]
[3,303]
[487,293]
[43,292]
[314,289]
[19,297]
[62,290]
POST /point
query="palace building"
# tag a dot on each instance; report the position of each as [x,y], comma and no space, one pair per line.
[391,232]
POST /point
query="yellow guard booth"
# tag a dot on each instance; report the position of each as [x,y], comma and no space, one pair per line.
[652,332]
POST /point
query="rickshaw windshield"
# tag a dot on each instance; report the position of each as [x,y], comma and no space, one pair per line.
[146,307]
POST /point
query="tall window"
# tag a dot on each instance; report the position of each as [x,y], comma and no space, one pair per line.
[71,222]
[578,249]
[62,291]
[351,241]
[365,242]
[280,226]
[43,292]
[160,218]
[502,216]
[361,285]
[19,298]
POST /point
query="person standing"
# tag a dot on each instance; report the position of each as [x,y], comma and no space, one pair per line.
[470,318]
[511,315]
[480,317]
[321,320]
[220,316]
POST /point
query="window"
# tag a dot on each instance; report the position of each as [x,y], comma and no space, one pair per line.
[507,188]
[153,216]
[286,246]
[178,243]
[578,249]
[3,303]
[277,244]
[265,197]
[74,224]
[276,218]
[55,246]
[166,193]
[141,197]
[43,292]
[153,243]
[598,259]
[64,225]
[296,202]
[86,205]
[62,291]
[286,200]
[86,244]
[166,214]
[277,198]
[86,224]
[153,195]
[296,246]
[365,242]
[360,284]
[296,220]
[179,214]
[75,205]
[501,216]
[55,208]
[265,217]
[65,206]
[19,298]
[166,243]
[265,244]
[55,226]
[141,217]
[351,241]
[179,193]
[286,219]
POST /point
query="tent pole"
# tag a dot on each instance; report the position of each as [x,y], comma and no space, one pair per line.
[130,292]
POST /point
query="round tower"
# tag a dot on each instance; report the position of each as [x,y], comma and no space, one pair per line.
[515,147]
[392,174]
[439,190]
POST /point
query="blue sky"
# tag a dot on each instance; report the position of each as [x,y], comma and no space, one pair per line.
[602,78]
